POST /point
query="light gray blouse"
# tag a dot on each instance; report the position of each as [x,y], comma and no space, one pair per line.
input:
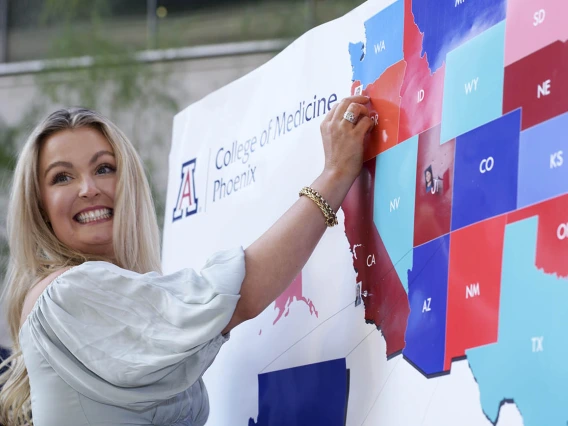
[108,346]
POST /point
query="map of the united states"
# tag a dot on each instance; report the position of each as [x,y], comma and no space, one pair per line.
[458,223]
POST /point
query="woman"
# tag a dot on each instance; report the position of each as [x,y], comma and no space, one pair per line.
[100,336]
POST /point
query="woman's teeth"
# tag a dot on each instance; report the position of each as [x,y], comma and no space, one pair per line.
[91,216]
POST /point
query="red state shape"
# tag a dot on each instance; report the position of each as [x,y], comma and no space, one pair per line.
[385,108]
[552,238]
[422,92]
[474,287]
[433,210]
[293,292]
[538,84]
[386,303]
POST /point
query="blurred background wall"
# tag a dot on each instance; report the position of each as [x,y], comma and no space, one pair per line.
[138,62]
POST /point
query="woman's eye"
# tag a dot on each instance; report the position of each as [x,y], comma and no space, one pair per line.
[104,169]
[60,178]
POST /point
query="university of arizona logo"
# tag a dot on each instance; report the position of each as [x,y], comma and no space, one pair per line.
[186,203]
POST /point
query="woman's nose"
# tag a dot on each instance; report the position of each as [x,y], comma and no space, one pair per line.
[88,188]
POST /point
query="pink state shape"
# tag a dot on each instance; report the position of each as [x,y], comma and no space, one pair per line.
[293,292]
[532,25]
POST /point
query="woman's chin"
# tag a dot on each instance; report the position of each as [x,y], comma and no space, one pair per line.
[98,245]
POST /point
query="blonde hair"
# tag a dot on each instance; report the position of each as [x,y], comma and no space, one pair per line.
[35,251]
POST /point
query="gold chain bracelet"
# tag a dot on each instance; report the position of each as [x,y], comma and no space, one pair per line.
[312,194]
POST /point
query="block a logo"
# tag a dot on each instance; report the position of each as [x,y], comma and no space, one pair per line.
[187,201]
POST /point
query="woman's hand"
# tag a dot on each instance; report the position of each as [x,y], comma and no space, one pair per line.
[343,141]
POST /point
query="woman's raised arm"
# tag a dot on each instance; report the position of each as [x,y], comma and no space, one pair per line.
[293,238]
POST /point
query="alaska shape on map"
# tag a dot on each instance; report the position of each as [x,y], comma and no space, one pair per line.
[422,92]
[382,47]
[449,23]
[309,395]
[386,303]
[294,292]
[384,109]
[528,363]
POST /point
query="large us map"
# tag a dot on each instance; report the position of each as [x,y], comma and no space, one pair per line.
[460,249]
[439,299]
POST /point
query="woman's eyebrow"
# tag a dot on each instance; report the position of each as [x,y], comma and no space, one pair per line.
[98,155]
[65,164]
[68,165]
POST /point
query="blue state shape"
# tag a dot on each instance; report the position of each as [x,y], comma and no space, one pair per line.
[382,47]
[314,394]
[485,171]
[393,211]
[428,296]
[543,172]
[473,83]
[532,305]
[448,24]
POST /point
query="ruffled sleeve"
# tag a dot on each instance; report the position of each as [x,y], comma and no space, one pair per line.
[134,340]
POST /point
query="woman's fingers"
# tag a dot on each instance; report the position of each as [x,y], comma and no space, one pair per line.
[329,115]
[358,111]
[345,103]
[364,125]
[338,110]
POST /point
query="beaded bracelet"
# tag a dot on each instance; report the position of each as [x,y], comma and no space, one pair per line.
[329,214]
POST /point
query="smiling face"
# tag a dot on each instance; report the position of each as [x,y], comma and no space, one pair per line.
[428,176]
[77,179]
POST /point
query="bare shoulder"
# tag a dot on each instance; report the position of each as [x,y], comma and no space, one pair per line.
[36,291]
